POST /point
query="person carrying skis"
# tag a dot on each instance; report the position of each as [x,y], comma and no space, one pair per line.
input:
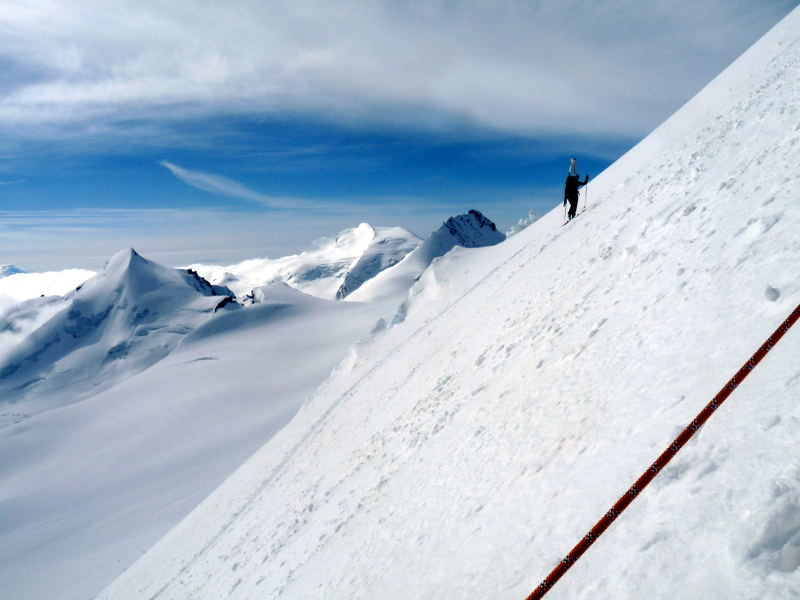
[571,187]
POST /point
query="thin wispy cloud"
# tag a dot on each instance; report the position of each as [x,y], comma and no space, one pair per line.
[13,182]
[223,186]
[535,68]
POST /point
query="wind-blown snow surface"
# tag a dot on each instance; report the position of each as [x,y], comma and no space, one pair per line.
[462,453]
[335,268]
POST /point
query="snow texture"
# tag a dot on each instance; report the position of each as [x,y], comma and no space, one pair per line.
[463,453]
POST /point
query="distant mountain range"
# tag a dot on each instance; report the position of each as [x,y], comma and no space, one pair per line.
[333,269]
[129,398]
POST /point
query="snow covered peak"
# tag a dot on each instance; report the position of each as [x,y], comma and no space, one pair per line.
[355,239]
[125,318]
[125,264]
[128,267]
[6,270]
[332,269]
[128,275]
[386,247]
[469,230]
[123,259]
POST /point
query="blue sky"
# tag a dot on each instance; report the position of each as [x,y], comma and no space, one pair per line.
[222,131]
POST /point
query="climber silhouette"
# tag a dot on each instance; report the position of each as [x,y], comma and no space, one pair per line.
[571,187]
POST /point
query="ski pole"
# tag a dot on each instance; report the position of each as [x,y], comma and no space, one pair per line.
[586,193]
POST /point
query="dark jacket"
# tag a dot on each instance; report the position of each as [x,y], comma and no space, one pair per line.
[571,187]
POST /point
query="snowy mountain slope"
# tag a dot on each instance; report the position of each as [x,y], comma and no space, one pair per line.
[121,321]
[388,247]
[86,488]
[462,453]
[332,270]
[470,230]
[18,321]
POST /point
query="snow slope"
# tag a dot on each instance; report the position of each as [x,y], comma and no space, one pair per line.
[333,269]
[86,488]
[470,230]
[28,300]
[462,453]
[121,321]
[18,321]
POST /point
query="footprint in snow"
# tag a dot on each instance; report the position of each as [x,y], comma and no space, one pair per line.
[772,294]
[778,546]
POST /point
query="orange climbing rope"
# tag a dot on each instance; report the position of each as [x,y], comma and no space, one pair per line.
[662,460]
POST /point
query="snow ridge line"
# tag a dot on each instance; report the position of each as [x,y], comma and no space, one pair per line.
[650,474]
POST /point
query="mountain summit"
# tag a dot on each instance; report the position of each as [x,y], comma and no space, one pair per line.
[332,269]
[387,247]
[122,320]
[469,230]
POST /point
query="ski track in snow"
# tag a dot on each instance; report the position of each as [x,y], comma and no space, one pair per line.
[463,452]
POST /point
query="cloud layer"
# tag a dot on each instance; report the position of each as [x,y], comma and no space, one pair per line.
[551,66]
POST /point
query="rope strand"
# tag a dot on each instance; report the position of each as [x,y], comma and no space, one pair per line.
[653,470]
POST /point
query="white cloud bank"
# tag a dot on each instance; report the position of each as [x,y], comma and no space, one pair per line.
[616,67]
[17,320]
[24,286]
